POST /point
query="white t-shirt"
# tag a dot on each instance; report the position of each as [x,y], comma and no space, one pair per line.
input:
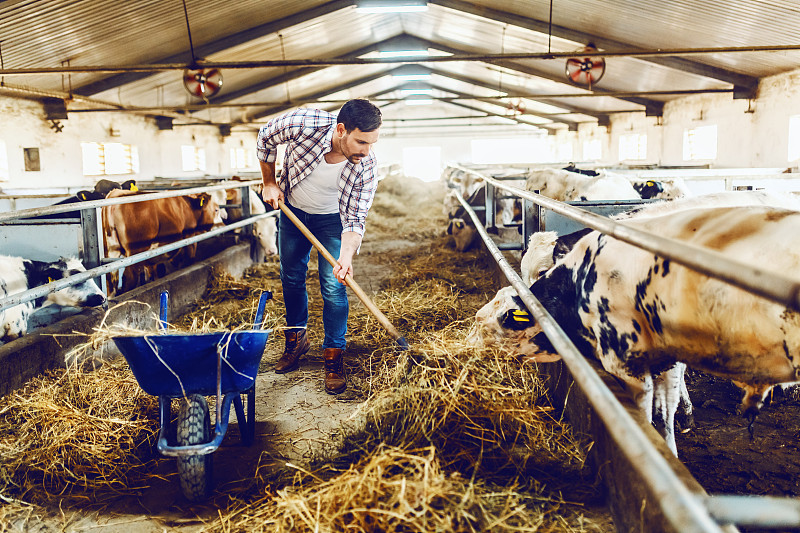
[318,193]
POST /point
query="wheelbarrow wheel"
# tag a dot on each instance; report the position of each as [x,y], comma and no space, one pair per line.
[194,427]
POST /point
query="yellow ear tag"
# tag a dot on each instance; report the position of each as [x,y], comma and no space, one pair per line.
[134,188]
[520,316]
[651,184]
[202,201]
[50,280]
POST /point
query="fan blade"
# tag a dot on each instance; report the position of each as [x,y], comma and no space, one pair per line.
[575,76]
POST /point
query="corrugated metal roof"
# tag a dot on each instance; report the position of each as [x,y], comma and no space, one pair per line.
[107,33]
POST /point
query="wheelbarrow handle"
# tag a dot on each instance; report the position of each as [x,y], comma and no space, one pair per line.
[258,323]
[162,315]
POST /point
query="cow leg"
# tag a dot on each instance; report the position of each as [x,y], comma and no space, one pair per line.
[642,391]
[752,402]
[667,396]
[684,416]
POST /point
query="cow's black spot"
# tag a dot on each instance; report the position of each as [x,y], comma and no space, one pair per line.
[558,293]
[634,338]
[655,268]
[655,322]
[586,280]
[541,340]
[609,338]
[665,270]
[566,243]
[637,327]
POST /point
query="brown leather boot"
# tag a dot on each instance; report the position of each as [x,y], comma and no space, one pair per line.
[335,382]
[296,346]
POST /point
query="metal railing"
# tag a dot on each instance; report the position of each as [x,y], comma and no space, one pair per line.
[117,264]
[684,510]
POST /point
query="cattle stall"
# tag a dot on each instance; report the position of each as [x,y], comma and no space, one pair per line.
[617,437]
[47,240]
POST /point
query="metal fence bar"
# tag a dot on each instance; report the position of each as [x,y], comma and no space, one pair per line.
[44,290]
[769,284]
[36,211]
[683,509]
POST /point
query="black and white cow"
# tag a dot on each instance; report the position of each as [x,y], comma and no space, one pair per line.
[640,314]
[18,275]
[567,186]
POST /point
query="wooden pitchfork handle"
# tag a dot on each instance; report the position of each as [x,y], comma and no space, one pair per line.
[348,278]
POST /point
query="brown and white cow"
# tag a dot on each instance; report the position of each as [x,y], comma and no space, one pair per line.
[639,314]
[137,227]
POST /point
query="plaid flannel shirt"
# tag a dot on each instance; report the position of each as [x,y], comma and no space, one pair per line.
[308,134]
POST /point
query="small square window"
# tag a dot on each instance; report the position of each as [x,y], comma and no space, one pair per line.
[700,143]
[32,163]
[632,146]
[193,158]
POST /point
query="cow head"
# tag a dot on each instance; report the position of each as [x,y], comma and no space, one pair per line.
[266,232]
[209,212]
[464,234]
[649,189]
[85,196]
[505,322]
[86,294]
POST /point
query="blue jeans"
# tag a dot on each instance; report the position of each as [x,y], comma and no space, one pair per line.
[295,250]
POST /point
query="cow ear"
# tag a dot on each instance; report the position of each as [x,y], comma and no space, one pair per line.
[82,195]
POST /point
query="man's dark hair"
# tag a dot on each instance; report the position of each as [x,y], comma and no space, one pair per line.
[360,113]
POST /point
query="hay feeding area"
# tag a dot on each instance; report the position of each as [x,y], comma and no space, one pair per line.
[84,435]
[457,439]
[444,437]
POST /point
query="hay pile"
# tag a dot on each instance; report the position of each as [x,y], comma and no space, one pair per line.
[458,440]
[84,434]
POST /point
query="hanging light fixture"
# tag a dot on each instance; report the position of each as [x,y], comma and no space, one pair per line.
[391,6]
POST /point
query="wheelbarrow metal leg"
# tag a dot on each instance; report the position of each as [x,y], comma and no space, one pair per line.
[251,415]
[247,427]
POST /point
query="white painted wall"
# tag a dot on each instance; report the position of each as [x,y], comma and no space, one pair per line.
[24,126]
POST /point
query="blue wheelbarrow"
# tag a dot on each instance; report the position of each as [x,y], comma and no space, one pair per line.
[188,367]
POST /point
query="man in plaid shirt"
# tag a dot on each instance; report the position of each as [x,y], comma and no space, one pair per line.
[328,180]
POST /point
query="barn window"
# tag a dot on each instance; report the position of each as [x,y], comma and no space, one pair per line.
[109,159]
[193,158]
[423,162]
[632,146]
[592,150]
[700,143]
[242,158]
[564,152]
[794,137]
[4,175]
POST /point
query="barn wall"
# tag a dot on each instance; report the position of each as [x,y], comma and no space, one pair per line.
[750,133]
[24,126]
